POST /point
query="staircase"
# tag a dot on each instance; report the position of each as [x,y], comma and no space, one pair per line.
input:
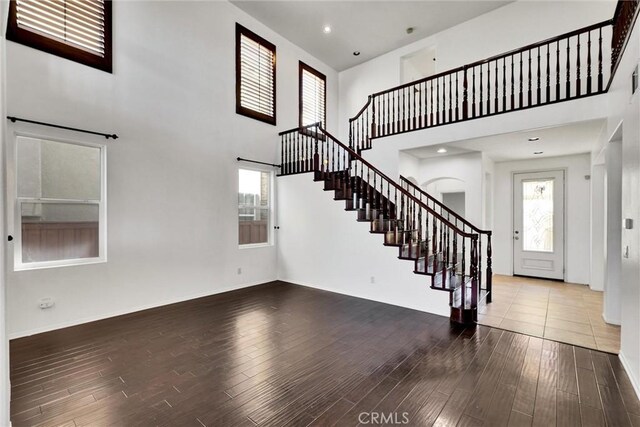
[438,248]
[444,247]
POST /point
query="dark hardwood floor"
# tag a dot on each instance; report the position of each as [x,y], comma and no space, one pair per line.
[280,354]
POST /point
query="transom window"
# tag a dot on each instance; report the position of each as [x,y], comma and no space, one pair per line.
[59,207]
[255,76]
[313,94]
[79,30]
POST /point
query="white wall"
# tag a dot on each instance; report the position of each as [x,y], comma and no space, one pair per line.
[323,246]
[512,26]
[627,109]
[455,202]
[613,221]
[172,175]
[577,222]
[467,169]
[630,283]
[598,233]
[4,348]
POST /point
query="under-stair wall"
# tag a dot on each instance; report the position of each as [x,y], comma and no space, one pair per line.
[322,246]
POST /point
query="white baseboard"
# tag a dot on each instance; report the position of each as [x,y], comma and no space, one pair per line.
[76,322]
[627,368]
[610,320]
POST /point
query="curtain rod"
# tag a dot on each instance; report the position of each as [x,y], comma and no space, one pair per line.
[240,159]
[106,135]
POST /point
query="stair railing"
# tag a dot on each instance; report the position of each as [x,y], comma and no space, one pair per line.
[446,251]
[562,68]
[461,223]
[623,19]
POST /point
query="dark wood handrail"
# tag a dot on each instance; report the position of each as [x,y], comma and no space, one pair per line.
[544,42]
[491,58]
[363,108]
[300,128]
[449,211]
[616,21]
[398,187]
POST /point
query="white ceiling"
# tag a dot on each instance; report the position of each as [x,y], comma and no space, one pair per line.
[370,27]
[565,140]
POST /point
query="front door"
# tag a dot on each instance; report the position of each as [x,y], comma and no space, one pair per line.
[538,224]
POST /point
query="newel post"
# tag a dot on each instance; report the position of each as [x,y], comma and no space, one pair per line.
[316,156]
[465,95]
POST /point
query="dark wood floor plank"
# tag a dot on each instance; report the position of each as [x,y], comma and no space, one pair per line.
[591,417]
[567,380]
[451,413]
[544,413]
[602,368]
[499,410]
[627,392]
[284,355]
[524,401]
[518,419]
[482,395]
[474,371]
[333,413]
[548,375]
[467,421]
[583,358]
[588,389]
[615,413]
[429,412]
[568,409]
[515,361]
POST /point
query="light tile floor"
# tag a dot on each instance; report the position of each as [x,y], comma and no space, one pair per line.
[558,311]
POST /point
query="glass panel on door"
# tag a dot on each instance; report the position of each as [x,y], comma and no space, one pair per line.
[537,215]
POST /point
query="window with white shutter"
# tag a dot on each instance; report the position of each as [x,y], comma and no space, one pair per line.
[255,76]
[79,30]
[313,95]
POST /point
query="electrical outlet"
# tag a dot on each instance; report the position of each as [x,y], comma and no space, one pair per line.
[373,279]
[239,270]
[45,303]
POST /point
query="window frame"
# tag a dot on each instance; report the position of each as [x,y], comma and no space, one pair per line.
[55,47]
[302,67]
[245,111]
[271,208]
[16,200]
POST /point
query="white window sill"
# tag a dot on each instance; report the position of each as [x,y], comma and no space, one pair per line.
[255,245]
[58,264]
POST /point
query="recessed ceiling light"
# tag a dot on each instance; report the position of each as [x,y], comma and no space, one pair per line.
[441,150]
[356,53]
[538,152]
[533,139]
[327,29]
